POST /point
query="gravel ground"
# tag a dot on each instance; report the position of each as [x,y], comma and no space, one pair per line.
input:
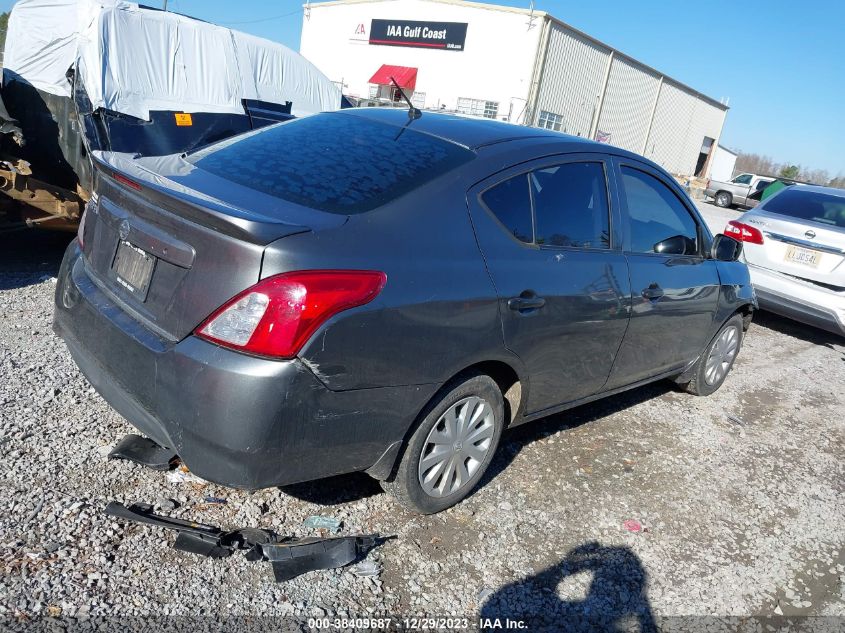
[649,504]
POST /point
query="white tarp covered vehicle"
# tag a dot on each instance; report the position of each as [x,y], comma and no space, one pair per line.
[84,75]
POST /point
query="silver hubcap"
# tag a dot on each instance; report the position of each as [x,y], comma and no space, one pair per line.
[456,447]
[721,356]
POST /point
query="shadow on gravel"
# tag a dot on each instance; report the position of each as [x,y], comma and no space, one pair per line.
[518,438]
[795,329]
[333,490]
[616,600]
[27,256]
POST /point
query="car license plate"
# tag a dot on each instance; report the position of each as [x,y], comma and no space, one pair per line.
[133,269]
[804,256]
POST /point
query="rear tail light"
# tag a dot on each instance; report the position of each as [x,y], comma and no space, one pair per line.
[276,316]
[743,232]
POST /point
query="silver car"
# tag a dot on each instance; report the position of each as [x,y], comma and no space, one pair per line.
[738,191]
[794,244]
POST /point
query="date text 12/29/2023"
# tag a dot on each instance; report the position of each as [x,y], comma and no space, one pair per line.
[421,623]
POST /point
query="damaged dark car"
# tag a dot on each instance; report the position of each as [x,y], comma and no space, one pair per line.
[372,292]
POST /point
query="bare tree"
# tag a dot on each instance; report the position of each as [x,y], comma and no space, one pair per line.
[765,166]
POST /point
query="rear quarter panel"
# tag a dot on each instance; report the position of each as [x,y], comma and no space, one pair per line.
[437,313]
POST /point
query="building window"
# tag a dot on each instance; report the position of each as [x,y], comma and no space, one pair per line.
[373,92]
[478,107]
[418,99]
[550,121]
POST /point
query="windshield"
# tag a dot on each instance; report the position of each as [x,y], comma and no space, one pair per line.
[339,163]
[809,205]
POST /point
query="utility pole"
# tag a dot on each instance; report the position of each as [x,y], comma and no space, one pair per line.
[165,5]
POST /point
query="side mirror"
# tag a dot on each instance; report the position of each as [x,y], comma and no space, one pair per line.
[675,245]
[725,248]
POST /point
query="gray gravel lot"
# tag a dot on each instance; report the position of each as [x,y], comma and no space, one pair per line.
[739,497]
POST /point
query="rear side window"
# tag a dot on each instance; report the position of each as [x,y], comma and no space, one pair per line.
[656,214]
[340,163]
[570,206]
[808,205]
[562,205]
[510,202]
[744,179]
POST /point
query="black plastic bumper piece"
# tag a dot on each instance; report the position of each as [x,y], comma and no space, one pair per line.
[144,451]
[289,556]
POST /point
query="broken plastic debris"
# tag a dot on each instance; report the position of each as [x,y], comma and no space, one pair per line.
[144,451]
[216,500]
[323,523]
[289,556]
[183,475]
[165,504]
[632,525]
[736,420]
[366,569]
[485,593]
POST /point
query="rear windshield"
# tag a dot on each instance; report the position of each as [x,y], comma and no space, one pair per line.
[338,163]
[809,205]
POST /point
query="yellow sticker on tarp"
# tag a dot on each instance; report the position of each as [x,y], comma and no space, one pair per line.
[183,118]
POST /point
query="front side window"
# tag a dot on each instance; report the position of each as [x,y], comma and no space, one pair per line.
[510,202]
[744,179]
[570,206]
[762,184]
[658,221]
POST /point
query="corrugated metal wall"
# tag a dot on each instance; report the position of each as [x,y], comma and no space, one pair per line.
[572,79]
[628,103]
[681,121]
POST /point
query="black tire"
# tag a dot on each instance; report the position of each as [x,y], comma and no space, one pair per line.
[702,384]
[723,199]
[405,486]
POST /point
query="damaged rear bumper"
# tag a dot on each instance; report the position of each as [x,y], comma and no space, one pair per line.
[233,419]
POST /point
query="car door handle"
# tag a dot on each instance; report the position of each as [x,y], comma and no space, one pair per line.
[653,292]
[521,304]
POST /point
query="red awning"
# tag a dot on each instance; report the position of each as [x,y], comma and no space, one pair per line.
[404,76]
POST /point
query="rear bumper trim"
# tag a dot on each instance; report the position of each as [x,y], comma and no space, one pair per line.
[799,300]
[233,419]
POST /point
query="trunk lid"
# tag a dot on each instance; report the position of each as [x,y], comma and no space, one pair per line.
[801,248]
[171,243]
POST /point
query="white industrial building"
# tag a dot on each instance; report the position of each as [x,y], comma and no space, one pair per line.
[513,64]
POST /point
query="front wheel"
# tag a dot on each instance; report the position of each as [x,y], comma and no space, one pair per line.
[451,448]
[717,360]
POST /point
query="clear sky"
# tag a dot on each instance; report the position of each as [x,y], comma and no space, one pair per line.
[781,64]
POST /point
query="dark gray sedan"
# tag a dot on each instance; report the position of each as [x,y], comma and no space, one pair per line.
[362,291]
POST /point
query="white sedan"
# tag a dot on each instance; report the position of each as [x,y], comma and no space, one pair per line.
[794,244]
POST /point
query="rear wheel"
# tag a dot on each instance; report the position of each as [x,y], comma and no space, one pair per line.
[723,199]
[451,448]
[717,359]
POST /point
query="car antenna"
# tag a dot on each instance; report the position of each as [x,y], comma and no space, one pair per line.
[413,112]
